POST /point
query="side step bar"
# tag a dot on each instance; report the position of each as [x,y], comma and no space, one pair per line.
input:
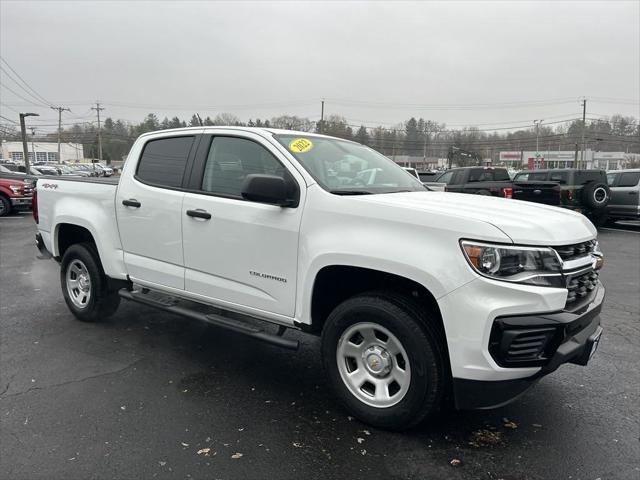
[211,318]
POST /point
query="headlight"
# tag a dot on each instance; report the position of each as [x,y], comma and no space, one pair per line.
[15,188]
[518,264]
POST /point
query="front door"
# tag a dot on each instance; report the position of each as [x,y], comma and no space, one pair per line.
[149,212]
[240,253]
[624,196]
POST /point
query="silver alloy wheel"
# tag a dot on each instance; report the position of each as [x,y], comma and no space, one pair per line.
[373,365]
[78,283]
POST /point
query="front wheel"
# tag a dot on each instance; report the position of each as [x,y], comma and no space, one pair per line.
[384,360]
[84,284]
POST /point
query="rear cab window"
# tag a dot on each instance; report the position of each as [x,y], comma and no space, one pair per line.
[164,160]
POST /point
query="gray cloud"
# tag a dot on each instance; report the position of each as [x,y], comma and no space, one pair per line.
[283,57]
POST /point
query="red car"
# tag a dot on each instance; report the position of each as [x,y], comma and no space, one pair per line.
[15,194]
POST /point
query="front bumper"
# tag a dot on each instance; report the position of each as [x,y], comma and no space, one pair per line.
[21,202]
[547,341]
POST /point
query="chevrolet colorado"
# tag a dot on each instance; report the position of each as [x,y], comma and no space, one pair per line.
[419,297]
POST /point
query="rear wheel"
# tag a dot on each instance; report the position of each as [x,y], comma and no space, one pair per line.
[84,284]
[384,360]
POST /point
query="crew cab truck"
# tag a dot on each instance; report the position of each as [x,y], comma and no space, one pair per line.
[495,181]
[418,296]
[15,194]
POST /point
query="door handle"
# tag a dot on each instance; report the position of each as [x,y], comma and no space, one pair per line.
[132,202]
[199,213]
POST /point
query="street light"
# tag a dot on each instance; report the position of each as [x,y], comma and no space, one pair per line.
[25,149]
[537,123]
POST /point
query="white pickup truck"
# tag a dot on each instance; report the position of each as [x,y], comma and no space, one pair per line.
[419,297]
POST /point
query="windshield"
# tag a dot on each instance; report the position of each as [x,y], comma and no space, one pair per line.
[348,168]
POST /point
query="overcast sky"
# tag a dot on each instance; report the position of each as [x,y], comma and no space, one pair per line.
[475,63]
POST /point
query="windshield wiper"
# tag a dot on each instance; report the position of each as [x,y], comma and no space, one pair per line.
[350,192]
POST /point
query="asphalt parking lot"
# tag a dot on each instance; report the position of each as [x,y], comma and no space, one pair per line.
[151,395]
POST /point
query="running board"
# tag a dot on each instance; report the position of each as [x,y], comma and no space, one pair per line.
[169,304]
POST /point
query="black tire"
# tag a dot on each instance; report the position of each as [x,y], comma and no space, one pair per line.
[596,195]
[5,206]
[101,303]
[416,331]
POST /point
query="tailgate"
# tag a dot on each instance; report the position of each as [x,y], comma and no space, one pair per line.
[539,192]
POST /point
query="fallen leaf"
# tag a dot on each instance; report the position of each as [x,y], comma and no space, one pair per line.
[360,439]
[366,432]
[184,444]
[162,464]
[297,444]
[204,451]
[455,462]
[536,425]
[123,407]
[236,456]
[363,452]
[511,425]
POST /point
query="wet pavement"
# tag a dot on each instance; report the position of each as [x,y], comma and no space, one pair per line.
[151,395]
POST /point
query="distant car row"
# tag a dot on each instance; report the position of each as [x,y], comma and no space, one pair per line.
[48,168]
[599,195]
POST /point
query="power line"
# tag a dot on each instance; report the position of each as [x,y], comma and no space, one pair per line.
[35,94]
[25,99]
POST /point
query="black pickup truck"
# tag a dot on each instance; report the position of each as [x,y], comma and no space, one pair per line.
[496,182]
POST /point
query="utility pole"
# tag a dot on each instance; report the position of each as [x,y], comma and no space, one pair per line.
[33,148]
[321,116]
[537,124]
[23,131]
[98,109]
[60,110]
[584,125]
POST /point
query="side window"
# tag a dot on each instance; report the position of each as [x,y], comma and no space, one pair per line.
[560,177]
[446,177]
[521,177]
[231,159]
[611,178]
[629,179]
[163,161]
[475,175]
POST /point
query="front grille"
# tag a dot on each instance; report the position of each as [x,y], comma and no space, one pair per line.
[518,347]
[28,190]
[579,286]
[577,250]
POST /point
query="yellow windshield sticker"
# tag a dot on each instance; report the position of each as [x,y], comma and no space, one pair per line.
[300,145]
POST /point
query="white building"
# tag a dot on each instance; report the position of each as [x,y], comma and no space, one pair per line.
[565,159]
[42,152]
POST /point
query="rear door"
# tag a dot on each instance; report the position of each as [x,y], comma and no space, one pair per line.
[244,256]
[624,195]
[455,182]
[149,211]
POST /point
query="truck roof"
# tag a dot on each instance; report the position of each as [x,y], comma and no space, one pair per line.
[259,130]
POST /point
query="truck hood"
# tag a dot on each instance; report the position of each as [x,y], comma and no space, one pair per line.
[524,222]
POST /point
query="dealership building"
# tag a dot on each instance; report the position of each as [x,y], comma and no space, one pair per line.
[42,152]
[566,159]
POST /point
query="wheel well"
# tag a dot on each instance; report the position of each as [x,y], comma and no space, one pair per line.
[336,283]
[69,234]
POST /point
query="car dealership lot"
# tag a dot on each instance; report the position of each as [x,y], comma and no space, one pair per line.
[145,394]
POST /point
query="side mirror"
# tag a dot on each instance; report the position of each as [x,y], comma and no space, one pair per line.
[270,189]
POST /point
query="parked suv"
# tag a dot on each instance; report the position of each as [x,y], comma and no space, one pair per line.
[583,191]
[625,196]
